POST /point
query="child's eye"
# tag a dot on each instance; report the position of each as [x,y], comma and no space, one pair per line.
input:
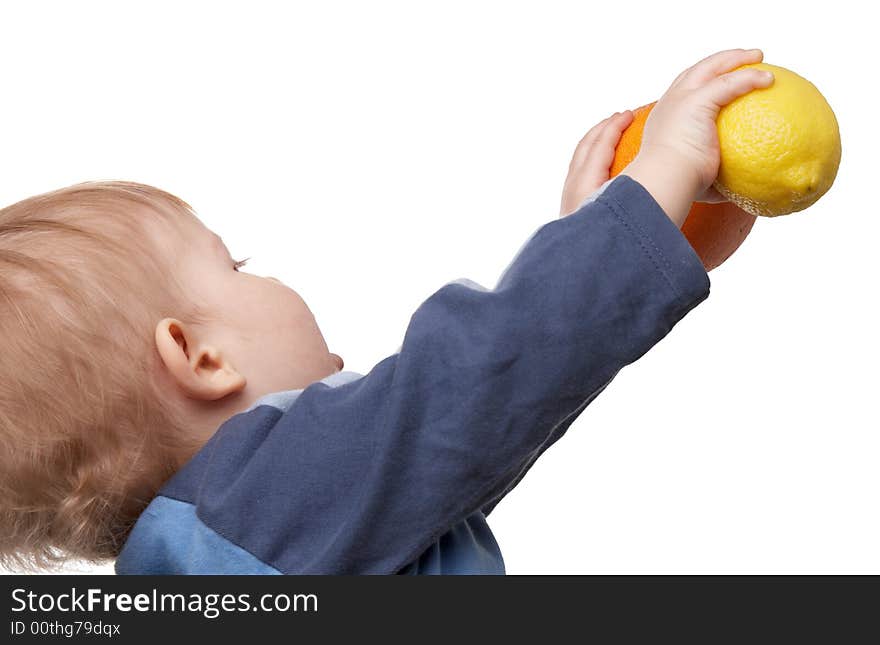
[237,264]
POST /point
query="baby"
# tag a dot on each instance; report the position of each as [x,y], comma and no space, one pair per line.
[161,407]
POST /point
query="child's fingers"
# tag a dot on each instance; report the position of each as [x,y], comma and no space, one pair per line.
[602,151]
[593,157]
[583,147]
[689,72]
[716,64]
[725,88]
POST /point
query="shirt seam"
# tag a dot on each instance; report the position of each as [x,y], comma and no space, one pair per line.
[213,530]
[620,212]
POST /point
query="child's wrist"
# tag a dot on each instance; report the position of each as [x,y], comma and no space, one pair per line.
[672,185]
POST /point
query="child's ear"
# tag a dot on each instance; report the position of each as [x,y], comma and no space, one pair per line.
[200,370]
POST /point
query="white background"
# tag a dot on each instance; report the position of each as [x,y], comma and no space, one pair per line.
[368,153]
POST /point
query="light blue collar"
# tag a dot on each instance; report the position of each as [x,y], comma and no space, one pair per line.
[284,399]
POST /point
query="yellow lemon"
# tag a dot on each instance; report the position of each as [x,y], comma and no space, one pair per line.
[780,146]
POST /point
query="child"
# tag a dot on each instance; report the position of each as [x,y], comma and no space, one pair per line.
[129,336]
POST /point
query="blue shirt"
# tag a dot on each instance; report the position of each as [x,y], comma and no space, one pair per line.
[396,471]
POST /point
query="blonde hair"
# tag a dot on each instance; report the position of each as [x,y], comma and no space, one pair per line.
[86,439]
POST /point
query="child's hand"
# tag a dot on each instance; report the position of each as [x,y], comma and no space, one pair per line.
[679,156]
[592,159]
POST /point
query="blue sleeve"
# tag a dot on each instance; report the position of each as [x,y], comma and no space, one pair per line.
[362,477]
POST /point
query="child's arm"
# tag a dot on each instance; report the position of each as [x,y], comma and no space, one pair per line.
[362,477]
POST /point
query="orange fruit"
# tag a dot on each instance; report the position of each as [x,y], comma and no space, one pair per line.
[714,231]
